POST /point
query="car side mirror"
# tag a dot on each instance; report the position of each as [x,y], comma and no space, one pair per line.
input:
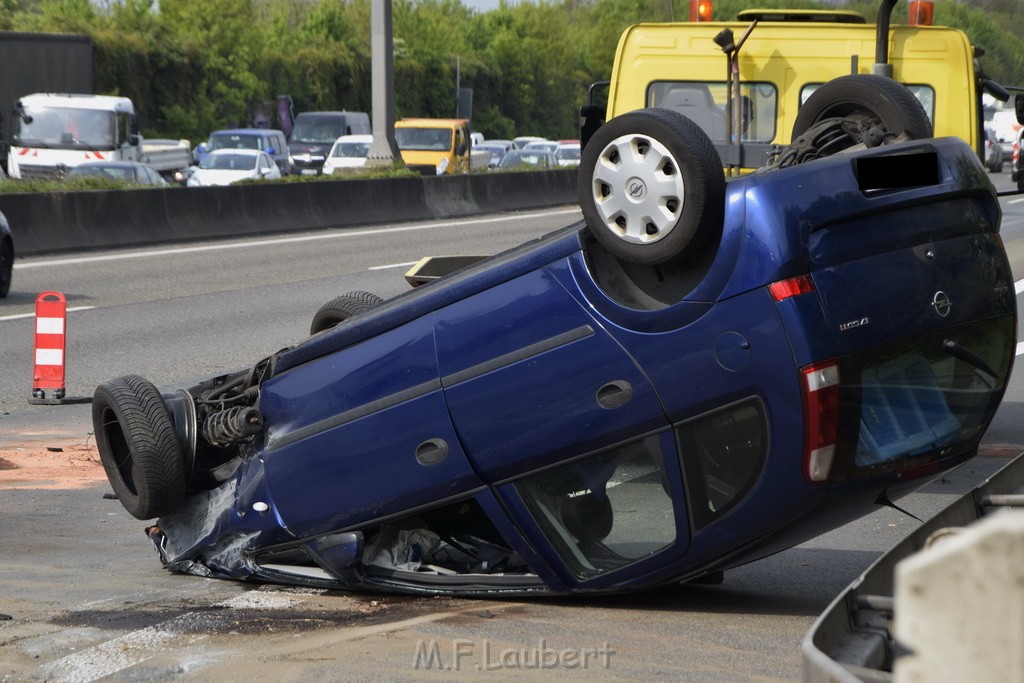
[460,149]
[271,150]
[133,140]
[1018,106]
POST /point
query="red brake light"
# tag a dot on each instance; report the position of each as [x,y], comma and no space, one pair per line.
[921,12]
[700,10]
[783,289]
[820,389]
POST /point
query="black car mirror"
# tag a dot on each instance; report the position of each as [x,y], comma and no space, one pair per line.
[1018,106]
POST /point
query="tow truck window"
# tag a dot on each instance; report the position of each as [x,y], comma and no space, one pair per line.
[706,103]
[925,94]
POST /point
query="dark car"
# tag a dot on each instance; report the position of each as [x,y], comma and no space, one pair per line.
[6,257]
[267,140]
[133,172]
[698,375]
[315,133]
[994,156]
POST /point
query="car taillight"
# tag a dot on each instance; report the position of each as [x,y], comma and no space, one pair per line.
[820,389]
[1016,151]
[783,289]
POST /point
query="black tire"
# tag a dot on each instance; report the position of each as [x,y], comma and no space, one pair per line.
[999,166]
[6,266]
[866,97]
[341,309]
[139,449]
[666,200]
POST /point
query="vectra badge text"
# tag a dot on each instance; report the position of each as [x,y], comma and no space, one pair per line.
[941,303]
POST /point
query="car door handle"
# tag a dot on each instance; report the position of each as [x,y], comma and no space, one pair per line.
[432,451]
[614,394]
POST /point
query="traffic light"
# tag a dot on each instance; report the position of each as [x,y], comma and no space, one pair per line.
[700,10]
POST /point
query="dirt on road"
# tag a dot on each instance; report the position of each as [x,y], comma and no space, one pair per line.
[38,466]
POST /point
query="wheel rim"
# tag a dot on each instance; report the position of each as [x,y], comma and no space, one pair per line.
[638,189]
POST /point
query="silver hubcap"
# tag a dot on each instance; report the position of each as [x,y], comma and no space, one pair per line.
[638,189]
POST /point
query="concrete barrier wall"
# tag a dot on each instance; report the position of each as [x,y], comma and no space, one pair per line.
[74,221]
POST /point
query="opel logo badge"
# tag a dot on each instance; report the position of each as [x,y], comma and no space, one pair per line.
[636,188]
[941,303]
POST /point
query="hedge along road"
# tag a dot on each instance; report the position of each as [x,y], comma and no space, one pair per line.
[88,597]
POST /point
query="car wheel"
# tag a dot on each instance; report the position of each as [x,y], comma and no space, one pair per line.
[999,167]
[138,447]
[867,98]
[6,267]
[651,186]
[341,309]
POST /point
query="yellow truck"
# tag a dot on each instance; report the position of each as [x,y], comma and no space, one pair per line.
[771,62]
[434,146]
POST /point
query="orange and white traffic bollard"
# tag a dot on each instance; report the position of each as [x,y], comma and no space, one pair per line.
[51,316]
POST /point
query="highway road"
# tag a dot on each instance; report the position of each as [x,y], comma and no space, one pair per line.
[88,600]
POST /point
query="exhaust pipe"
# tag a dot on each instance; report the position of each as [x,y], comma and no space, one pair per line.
[882,67]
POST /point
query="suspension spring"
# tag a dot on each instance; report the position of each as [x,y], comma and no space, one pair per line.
[232,425]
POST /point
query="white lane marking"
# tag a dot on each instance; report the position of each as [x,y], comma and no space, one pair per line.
[1018,286]
[338,234]
[32,315]
[1020,348]
[394,265]
[1016,201]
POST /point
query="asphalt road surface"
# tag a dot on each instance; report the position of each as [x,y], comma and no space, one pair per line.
[88,600]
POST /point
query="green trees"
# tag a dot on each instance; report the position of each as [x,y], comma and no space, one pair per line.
[192,67]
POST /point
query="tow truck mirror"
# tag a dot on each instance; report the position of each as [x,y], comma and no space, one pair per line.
[460,149]
[593,116]
[1018,106]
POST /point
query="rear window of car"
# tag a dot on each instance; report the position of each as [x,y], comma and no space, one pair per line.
[235,141]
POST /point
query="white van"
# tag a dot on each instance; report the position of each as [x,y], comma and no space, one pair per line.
[348,151]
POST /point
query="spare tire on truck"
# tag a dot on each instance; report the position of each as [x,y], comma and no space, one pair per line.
[140,451]
[867,98]
[651,187]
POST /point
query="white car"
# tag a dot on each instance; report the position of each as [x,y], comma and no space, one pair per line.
[541,145]
[226,166]
[349,151]
[568,154]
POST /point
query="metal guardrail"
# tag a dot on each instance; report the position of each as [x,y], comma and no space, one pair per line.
[851,641]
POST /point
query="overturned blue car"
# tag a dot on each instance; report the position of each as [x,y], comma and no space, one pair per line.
[701,373]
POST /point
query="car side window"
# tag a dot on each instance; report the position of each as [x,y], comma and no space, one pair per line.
[604,511]
[723,453]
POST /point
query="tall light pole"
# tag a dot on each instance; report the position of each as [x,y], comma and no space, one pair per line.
[383,148]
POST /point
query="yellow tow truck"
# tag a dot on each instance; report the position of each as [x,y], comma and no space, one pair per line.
[772,62]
